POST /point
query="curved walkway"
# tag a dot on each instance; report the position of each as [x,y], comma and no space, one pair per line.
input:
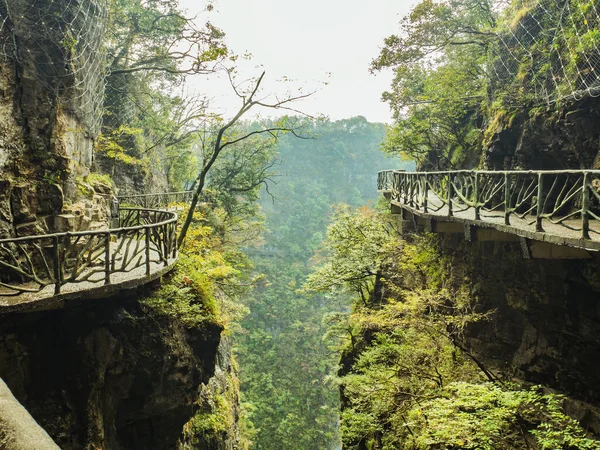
[43,271]
[558,207]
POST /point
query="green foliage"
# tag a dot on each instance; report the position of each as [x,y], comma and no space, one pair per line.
[459,63]
[440,82]
[216,416]
[188,295]
[356,249]
[114,144]
[555,44]
[99,178]
[151,48]
[407,381]
[285,365]
[209,277]
[487,416]
[237,177]
[218,420]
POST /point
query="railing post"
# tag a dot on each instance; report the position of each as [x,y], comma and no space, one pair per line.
[425,190]
[585,207]
[450,195]
[107,259]
[113,258]
[476,196]
[411,190]
[174,238]
[401,184]
[540,203]
[57,264]
[507,195]
[147,237]
[166,251]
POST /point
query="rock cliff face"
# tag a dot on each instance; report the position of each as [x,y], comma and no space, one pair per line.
[113,374]
[545,327]
[556,137]
[47,127]
[547,323]
[109,373]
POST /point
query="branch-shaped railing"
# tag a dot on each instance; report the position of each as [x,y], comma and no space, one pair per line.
[146,238]
[567,198]
[160,200]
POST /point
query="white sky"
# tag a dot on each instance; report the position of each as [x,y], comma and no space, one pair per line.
[306,41]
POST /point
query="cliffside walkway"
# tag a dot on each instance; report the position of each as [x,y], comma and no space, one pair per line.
[44,270]
[555,207]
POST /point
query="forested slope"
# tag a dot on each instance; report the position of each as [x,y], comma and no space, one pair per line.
[467,345]
[285,365]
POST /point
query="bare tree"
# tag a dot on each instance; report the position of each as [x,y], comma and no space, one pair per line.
[249,100]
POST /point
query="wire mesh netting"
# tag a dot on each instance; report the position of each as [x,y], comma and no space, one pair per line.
[549,49]
[59,43]
[545,50]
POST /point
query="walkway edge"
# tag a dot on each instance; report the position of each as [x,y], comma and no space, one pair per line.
[534,235]
[99,292]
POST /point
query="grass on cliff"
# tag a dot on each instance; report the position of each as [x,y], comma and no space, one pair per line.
[203,286]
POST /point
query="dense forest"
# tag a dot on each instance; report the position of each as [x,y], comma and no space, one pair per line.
[285,365]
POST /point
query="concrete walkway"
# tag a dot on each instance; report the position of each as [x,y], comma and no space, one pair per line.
[566,233]
[132,275]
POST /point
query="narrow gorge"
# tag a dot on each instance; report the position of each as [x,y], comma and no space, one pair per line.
[209,246]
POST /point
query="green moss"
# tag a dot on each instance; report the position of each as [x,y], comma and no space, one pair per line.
[494,127]
[85,189]
[518,17]
[99,178]
[217,420]
[187,295]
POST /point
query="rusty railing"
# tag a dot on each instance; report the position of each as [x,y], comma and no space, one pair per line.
[568,198]
[146,238]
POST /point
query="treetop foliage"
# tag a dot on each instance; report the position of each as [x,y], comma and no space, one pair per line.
[285,365]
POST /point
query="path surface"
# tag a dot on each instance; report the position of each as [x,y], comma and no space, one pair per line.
[89,264]
[568,233]
[94,288]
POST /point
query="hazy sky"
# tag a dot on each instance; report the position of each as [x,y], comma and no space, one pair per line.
[311,42]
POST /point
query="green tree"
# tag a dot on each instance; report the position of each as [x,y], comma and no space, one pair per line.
[439,60]
[285,365]
[151,48]
[406,379]
[225,136]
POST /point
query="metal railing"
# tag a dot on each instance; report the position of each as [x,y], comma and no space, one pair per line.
[160,200]
[385,179]
[145,238]
[569,198]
